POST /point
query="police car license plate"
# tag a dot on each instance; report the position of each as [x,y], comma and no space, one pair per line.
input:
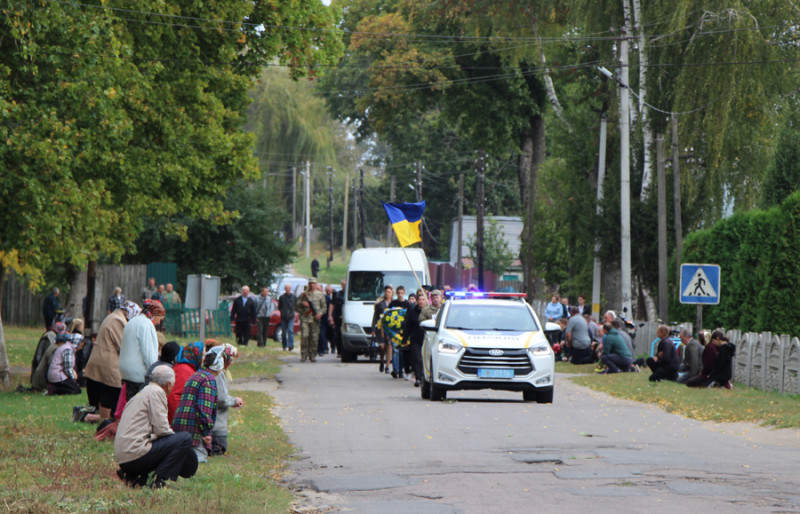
[495,373]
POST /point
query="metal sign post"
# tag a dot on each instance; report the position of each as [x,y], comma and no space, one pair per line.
[202,293]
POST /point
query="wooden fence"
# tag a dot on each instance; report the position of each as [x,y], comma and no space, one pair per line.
[22,307]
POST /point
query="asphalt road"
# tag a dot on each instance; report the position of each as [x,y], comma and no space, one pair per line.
[368,443]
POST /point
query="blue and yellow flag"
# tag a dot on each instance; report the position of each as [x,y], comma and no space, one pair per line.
[405,219]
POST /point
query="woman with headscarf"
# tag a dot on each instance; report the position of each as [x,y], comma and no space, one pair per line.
[103,380]
[186,364]
[62,377]
[197,409]
[219,434]
[139,347]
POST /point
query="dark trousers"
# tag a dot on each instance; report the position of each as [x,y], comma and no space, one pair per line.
[68,386]
[170,457]
[616,362]
[581,355]
[263,330]
[659,372]
[337,335]
[242,333]
[322,343]
[131,388]
[697,381]
[415,354]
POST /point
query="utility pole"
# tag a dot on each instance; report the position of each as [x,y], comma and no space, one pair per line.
[330,214]
[459,257]
[390,232]
[479,222]
[663,283]
[676,195]
[307,209]
[362,213]
[344,218]
[355,215]
[601,175]
[419,199]
[625,179]
[294,202]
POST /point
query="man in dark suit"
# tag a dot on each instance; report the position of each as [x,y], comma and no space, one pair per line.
[324,324]
[244,314]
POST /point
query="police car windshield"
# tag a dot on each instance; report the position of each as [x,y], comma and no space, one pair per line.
[367,286]
[512,318]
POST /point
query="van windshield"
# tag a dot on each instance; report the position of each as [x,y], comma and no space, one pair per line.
[367,286]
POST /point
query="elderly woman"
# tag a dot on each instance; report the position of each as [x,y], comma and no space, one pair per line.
[186,364]
[219,434]
[139,347]
[197,410]
[103,380]
[62,378]
[145,443]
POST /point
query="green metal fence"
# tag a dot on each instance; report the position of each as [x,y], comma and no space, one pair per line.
[184,322]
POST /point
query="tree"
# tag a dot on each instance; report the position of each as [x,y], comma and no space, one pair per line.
[783,173]
[496,253]
[109,115]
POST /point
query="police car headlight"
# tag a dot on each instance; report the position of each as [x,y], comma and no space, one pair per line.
[539,351]
[446,346]
[352,328]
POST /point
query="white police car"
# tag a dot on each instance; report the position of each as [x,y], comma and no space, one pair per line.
[487,341]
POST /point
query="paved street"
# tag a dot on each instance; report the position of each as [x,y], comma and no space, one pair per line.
[368,443]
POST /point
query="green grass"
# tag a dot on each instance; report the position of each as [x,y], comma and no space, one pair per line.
[721,405]
[53,465]
[333,275]
[568,367]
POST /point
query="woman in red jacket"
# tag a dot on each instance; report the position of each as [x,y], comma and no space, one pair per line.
[188,361]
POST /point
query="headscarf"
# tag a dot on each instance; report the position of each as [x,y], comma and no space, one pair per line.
[59,327]
[219,360]
[191,354]
[131,309]
[153,308]
[227,352]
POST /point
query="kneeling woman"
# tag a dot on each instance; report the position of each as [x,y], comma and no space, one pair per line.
[197,408]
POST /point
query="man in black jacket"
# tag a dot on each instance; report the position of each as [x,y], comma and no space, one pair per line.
[286,304]
[50,308]
[244,314]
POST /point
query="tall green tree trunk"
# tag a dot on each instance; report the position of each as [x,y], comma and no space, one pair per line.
[530,159]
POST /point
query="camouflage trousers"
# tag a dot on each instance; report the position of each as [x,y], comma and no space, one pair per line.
[310,339]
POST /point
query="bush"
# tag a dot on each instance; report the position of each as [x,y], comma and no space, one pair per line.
[759,255]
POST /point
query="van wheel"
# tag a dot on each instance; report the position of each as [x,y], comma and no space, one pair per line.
[348,356]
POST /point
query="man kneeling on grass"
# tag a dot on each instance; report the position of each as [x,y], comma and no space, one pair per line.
[145,442]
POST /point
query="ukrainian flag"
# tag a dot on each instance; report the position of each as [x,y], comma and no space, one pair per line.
[405,219]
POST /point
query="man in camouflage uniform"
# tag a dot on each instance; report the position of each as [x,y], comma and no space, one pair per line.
[430,311]
[311,307]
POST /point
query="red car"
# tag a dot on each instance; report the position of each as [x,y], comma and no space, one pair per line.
[274,331]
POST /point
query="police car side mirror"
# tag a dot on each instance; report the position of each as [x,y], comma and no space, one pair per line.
[428,324]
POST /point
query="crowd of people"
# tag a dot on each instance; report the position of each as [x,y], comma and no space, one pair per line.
[397,331]
[165,406]
[706,362]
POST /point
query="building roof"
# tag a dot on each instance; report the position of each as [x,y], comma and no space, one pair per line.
[510,227]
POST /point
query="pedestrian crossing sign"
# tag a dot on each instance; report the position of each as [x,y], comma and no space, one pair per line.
[700,283]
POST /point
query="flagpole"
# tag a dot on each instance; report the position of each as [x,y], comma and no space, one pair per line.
[412,268]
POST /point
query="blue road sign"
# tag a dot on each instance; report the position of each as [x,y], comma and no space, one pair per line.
[700,283]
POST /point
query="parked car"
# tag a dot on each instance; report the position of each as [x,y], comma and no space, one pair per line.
[274,330]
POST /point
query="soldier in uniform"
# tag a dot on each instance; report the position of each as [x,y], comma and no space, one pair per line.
[430,311]
[311,307]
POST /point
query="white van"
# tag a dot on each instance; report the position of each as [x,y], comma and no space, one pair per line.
[371,269]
